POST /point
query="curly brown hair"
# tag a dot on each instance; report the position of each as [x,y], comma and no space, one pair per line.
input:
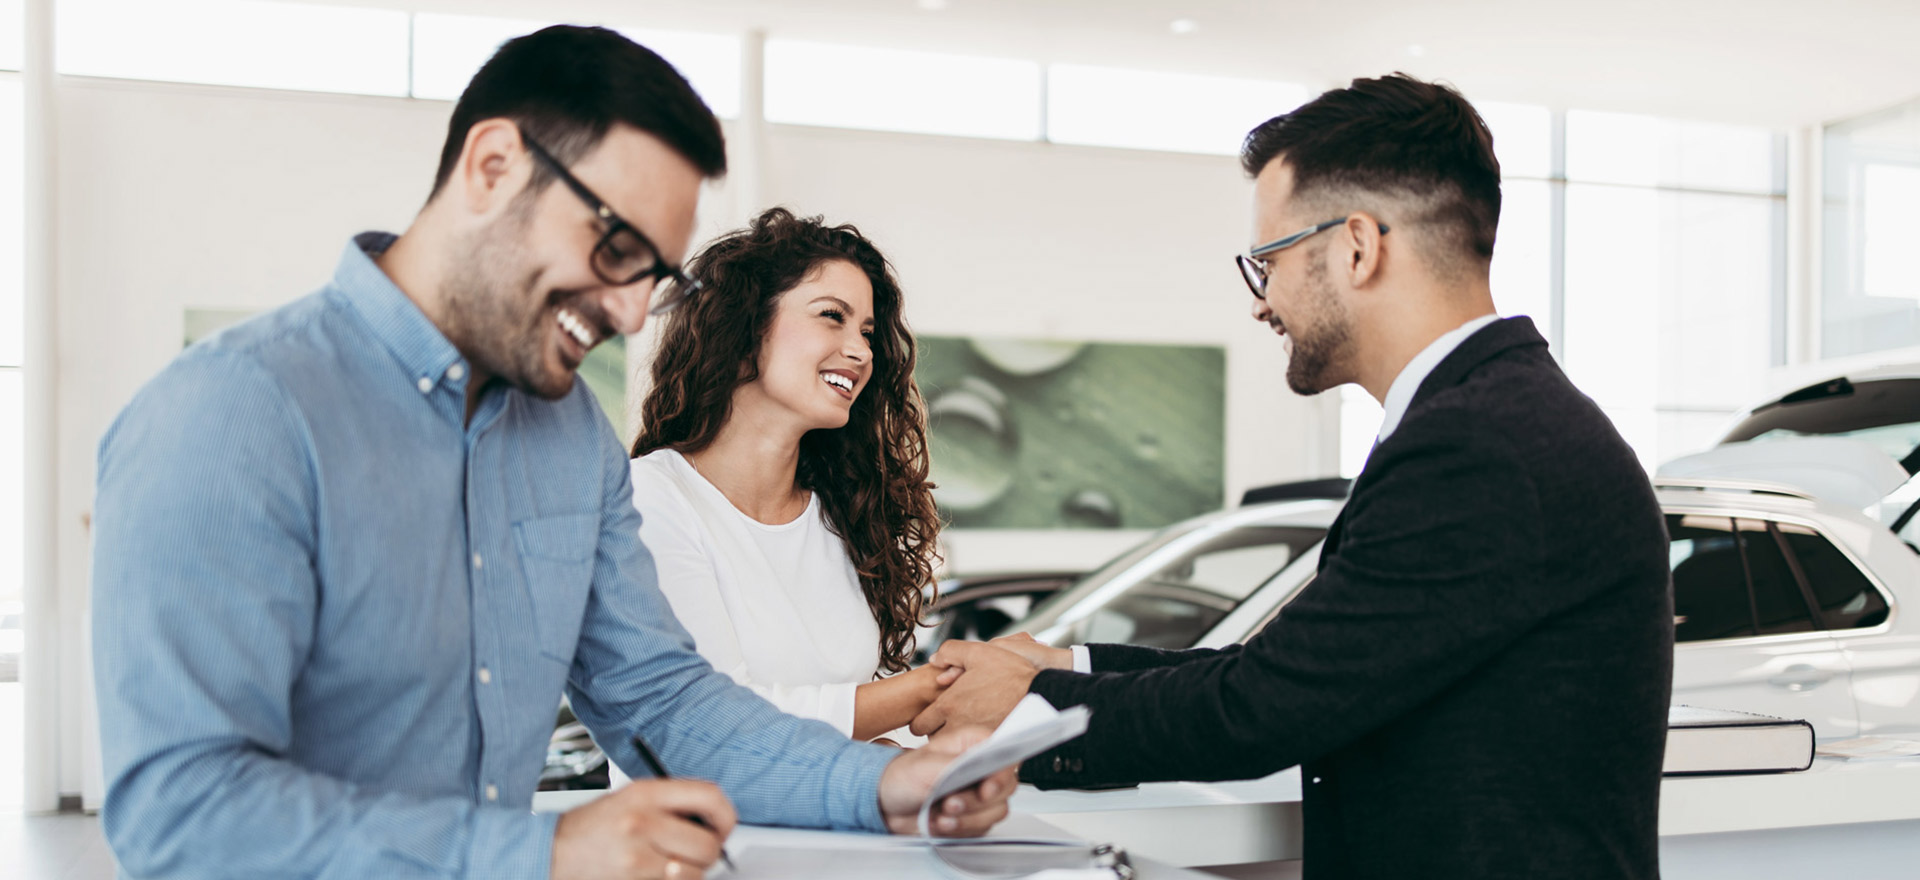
[871,475]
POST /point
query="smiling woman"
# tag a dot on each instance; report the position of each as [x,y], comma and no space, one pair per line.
[781,471]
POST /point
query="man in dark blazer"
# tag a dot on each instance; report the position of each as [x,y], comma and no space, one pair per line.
[1476,682]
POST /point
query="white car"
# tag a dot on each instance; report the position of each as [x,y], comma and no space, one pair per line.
[1880,406]
[1784,603]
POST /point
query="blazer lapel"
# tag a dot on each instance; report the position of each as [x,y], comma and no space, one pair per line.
[1484,345]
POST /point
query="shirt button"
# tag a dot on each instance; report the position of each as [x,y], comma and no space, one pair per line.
[425,384]
[493,793]
[486,675]
[476,560]
[1316,780]
[456,372]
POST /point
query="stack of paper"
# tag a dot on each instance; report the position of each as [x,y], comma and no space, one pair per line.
[1033,726]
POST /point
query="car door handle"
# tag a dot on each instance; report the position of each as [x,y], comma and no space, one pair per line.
[1801,677]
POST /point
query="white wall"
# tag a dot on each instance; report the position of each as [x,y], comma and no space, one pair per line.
[173,197]
[1029,239]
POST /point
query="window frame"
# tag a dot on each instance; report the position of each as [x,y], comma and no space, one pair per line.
[1806,586]
[1774,519]
[1801,587]
[1752,604]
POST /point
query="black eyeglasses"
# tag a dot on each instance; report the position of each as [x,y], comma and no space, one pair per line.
[1253,269]
[623,255]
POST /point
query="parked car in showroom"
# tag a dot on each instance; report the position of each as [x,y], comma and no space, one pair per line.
[980,606]
[1787,602]
[1879,406]
[1787,599]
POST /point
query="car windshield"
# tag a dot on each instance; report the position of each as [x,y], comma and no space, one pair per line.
[1170,591]
[1882,412]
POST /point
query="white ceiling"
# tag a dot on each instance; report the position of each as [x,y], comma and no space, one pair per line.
[1765,62]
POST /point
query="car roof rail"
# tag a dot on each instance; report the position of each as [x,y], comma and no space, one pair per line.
[1749,487]
[1327,488]
[1840,470]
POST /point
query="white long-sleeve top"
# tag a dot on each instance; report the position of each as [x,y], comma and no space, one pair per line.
[776,607]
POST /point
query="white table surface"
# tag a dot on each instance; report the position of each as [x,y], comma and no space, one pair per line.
[798,854]
[1195,823]
[1710,826]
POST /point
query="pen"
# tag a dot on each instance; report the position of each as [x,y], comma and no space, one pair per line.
[660,772]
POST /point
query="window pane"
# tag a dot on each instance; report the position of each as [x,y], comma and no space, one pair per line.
[12,31]
[1776,593]
[1846,599]
[1645,150]
[1522,275]
[1233,564]
[12,612]
[1173,606]
[1884,413]
[449,49]
[12,232]
[1112,107]
[1870,299]
[237,43]
[898,90]
[1709,580]
[1522,138]
[12,475]
[1670,309]
[710,62]
[1890,264]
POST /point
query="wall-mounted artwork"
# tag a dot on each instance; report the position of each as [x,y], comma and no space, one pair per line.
[605,368]
[1036,434]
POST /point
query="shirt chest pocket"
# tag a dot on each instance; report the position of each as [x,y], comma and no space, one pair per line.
[556,555]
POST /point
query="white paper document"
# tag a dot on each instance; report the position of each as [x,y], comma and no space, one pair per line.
[793,854]
[1033,726]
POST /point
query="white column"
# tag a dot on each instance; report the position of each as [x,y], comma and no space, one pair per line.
[41,669]
[747,156]
[1804,200]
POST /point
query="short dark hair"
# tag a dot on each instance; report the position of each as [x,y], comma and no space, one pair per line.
[566,86]
[1399,137]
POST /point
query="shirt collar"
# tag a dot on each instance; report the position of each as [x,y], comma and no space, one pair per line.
[1400,393]
[422,350]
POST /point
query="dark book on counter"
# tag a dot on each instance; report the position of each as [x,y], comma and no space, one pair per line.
[1720,741]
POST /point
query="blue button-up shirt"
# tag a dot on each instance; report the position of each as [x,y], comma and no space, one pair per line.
[333,618]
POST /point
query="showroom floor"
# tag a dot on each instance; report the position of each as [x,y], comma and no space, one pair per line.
[65,847]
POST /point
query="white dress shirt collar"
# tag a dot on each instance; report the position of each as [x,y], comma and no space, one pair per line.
[1400,393]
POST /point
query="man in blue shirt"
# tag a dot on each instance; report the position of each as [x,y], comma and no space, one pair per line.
[349,554]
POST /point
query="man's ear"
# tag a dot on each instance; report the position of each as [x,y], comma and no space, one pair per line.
[493,168]
[1363,232]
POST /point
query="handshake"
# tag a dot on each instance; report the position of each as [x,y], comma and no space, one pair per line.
[981,682]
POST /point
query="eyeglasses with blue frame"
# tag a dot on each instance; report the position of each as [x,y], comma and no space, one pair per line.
[1253,268]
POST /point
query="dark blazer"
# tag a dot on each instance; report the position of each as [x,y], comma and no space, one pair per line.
[1476,682]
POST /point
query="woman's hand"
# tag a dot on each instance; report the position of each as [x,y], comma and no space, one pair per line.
[1041,656]
[891,702]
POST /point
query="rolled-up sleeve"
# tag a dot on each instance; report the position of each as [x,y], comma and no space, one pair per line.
[205,597]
